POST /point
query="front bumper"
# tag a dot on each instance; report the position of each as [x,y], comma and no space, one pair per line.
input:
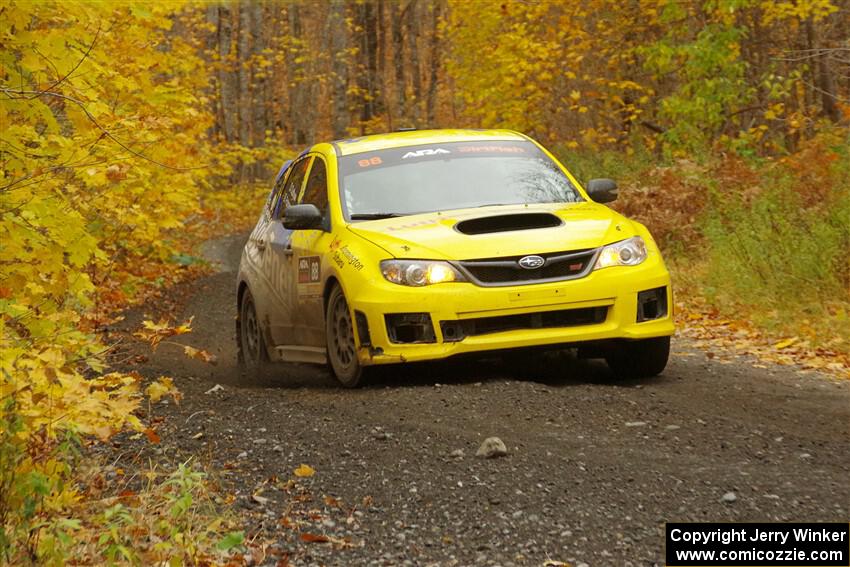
[601,306]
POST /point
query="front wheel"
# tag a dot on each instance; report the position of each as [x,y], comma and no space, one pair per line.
[252,355]
[639,359]
[342,351]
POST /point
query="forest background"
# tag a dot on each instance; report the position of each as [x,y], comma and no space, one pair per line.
[131,132]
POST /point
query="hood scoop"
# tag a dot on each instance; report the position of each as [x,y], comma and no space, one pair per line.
[507,223]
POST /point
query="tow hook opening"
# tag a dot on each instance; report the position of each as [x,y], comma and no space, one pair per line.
[652,304]
[410,328]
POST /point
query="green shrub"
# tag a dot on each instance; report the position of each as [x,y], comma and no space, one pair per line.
[774,250]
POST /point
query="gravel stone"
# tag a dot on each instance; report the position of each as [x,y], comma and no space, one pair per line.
[491,448]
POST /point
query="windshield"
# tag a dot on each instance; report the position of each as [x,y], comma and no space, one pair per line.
[453,175]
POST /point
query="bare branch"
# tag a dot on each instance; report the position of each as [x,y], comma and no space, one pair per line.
[77,66]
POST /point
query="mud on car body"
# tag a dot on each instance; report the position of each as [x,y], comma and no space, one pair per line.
[424,245]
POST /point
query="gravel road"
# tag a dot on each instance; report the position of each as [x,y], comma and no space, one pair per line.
[594,467]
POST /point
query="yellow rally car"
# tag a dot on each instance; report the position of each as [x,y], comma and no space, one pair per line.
[423,245]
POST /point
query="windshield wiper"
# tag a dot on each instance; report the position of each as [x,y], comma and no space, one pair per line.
[374,216]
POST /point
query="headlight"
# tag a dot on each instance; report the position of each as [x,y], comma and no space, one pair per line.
[417,273]
[629,252]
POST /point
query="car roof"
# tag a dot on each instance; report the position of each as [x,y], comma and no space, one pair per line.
[419,137]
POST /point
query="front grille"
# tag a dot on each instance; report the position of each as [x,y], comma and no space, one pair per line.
[507,270]
[457,330]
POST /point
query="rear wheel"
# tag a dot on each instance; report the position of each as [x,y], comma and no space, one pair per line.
[639,359]
[342,350]
[252,356]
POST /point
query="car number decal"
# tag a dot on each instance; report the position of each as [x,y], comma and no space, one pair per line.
[309,269]
[370,161]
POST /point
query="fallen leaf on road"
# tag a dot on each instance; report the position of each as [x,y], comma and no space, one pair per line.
[331,501]
[152,436]
[214,389]
[304,471]
[155,332]
[162,387]
[286,522]
[315,538]
[199,354]
[785,343]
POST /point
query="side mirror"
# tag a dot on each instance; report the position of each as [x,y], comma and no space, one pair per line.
[302,217]
[602,190]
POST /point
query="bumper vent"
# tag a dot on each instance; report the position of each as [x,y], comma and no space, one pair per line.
[454,331]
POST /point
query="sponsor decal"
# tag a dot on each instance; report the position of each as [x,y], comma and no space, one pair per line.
[344,256]
[492,149]
[413,225]
[309,269]
[425,152]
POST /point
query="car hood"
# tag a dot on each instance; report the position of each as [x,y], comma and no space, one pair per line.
[440,235]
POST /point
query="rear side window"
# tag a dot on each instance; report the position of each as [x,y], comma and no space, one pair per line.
[274,196]
[316,192]
[291,187]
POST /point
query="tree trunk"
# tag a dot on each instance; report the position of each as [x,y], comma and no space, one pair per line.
[295,68]
[431,103]
[371,37]
[244,74]
[398,110]
[338,32]
[260,109]
[212,45]
[413,49]
[227,89]
[822,77]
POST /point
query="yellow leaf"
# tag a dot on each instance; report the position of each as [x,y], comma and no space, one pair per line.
[304,471]
[162,387]
[785,343]
[199,354]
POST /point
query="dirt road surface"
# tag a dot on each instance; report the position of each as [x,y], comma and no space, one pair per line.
[594,468]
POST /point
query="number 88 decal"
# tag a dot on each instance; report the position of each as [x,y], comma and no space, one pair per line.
[370,161]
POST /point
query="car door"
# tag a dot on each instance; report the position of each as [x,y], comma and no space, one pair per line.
[310,249]
[279,263]
[256,259]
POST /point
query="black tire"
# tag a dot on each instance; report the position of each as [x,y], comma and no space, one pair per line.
[639,359]
[342,350]
[252,355]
